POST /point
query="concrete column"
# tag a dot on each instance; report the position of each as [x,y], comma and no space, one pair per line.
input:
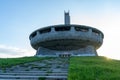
[67,18]
[100,35]
[37,53]
[30,37]
[37,36]
[46,52]
[72,29]
[90,33]
[91,51]
[52,29]
[38,33]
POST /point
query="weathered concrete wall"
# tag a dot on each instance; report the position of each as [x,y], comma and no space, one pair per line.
[89,37]
[72,34]
[87,51]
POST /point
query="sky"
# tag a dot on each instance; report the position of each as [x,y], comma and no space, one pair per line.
[19,18]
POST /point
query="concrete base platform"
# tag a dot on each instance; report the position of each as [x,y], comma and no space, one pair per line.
[86,51]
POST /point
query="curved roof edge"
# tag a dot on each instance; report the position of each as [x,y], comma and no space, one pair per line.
[68,25]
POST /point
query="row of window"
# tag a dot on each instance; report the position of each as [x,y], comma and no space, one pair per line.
[46,30]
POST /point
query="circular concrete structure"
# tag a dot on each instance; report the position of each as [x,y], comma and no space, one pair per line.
[66,39]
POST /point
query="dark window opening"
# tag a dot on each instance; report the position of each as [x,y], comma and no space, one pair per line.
[62,28]
[81,29]
[64,55]
[96,32]
[45,30]
[33,34]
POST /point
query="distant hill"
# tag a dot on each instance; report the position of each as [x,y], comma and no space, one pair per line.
[93,68]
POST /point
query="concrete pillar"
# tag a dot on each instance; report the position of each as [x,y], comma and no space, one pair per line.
[100,36]
[72,29]
[38,33]
[37,53]
[90,33]
[91,51]
[67,18]
[30,37]
[52,29]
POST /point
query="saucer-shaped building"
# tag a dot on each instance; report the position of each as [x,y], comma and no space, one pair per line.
[66,40]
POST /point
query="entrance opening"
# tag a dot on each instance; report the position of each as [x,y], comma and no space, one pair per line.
[64,55]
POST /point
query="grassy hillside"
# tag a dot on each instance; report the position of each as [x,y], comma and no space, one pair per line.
[81,68]
[93,68]
[8,62]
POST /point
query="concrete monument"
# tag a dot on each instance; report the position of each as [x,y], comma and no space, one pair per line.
[66,40]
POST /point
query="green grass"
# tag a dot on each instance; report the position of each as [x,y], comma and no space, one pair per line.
[8,62]
[93,68]
[41,78]
[81,68]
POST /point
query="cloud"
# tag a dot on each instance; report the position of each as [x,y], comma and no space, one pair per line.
[10,51]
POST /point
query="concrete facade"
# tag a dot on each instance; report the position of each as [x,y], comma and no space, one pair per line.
[73,40]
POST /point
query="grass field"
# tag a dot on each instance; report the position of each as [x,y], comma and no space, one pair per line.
[8,62]
[93,68]
[81,68]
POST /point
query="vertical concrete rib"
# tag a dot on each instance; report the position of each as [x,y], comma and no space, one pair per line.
[67,18]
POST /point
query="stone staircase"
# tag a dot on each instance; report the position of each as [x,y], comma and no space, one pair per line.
[50,69]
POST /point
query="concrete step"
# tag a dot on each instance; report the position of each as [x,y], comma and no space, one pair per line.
[35,74]
[55,69]
[40,71]
[32,77]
